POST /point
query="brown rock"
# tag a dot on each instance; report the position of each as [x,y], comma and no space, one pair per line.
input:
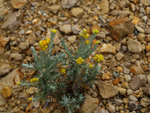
[89,104]
[17,4]
[55,8]
[147,47]
[3,9]
[2,100]
[6,92]
[136,69]
[116,81]
[13,21]
[121,27]
[66,4]
[4,41]
[104,5]
[108,48]
[77,12]
[106,90]
[4,69]
[10,79]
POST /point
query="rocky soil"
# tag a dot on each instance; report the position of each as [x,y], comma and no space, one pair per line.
[123,86]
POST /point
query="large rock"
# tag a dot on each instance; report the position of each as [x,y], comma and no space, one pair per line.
[55,8]
[65,28]
[10,79]
[134,46]
[89,104]
[108,48]
[104,5]
[66,4]
[121,27]
[138,81]
[106,90]
[13,21]
[77,12]
[17,4]
[3,9]
[4,69]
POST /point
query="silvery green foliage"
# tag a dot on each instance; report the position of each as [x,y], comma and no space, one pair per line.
[67,88]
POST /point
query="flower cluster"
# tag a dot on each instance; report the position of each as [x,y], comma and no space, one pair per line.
[63,70]
[34,80]
[99,58]
[84,34]
[95,31]
[80,60]
[44,44]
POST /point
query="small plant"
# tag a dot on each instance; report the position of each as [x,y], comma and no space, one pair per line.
[67,75]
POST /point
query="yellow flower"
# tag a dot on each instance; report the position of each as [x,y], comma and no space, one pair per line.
[36,79]
[99,58]
[84,31]
[31,81]
[18,83]
[90,66]
[86,36]
[63,70]
[95,31]
[44,44]
[30,99]
[97,42]
[87,41]
[54,31]
[80,60]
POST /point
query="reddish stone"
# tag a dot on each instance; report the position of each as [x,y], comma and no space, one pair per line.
[121,27]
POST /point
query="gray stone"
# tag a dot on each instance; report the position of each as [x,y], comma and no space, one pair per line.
[4,69]
[132,98]
[138,81]
[133,105]
[106,90]
[134,46]
[118,102]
